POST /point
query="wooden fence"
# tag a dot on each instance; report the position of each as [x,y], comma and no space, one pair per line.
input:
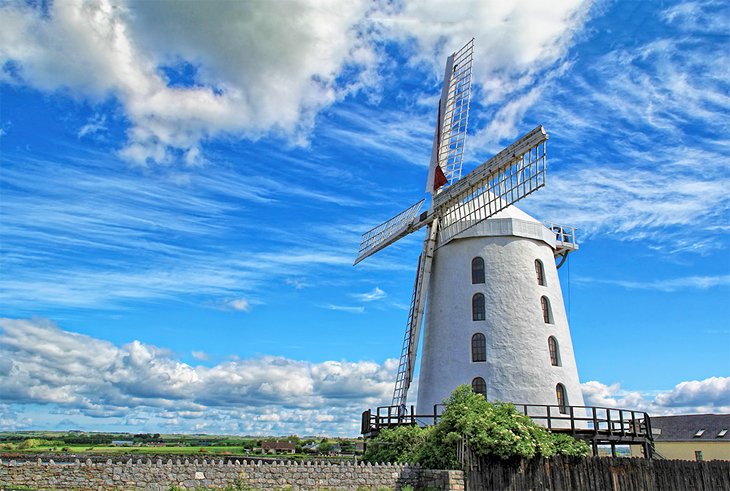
[596,473]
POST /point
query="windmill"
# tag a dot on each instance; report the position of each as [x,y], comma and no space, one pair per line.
[460,213]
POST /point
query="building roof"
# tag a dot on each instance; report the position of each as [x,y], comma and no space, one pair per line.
[278,445]
[688,427]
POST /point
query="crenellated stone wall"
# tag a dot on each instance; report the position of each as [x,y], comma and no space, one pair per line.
[215,474]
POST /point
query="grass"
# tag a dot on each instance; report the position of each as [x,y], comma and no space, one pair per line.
[173,450]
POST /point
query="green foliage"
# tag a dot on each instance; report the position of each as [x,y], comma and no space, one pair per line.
[567,445]
[325,447]
[34,442]
[402,444]
[491,430]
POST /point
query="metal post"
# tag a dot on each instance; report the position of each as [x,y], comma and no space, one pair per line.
[572,420]
[621,418]
[595,422]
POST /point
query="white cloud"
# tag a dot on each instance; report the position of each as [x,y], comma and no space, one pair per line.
[711,395]
[664,285]
[251,69]
[713,391]
[375,294]
[297,283]
[539,35]
[346,308]
[657,111]
[95,124]
[240,304]
[258,67]
[42,364]
[199,355]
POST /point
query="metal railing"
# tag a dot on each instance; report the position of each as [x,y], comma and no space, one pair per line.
[601,424]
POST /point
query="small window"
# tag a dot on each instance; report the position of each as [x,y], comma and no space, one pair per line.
[698,455]
[478,347]
[477,270]
[479,386]
[547,314]
[699,433]
[722,433]
[540,272]
[554,353]
[562,398]
[478,307]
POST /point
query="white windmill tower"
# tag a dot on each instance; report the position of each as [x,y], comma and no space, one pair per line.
[495,316]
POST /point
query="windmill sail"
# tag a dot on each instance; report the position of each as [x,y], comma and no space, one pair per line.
[451,123]
[388,232]
[415,318]
[509,176]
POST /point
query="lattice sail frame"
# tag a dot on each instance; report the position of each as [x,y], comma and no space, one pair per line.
[509,176]
[456,114]
[388,232]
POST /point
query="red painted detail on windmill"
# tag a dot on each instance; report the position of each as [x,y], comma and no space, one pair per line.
[439,178]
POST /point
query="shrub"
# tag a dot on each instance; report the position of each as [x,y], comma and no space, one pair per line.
[491,430]
[402,444]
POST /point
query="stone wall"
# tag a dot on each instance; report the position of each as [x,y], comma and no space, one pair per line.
[215,474]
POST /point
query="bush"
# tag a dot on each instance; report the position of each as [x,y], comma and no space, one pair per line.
[402,444]
[491,430]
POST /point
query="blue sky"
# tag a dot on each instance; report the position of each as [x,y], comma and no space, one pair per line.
[183,186]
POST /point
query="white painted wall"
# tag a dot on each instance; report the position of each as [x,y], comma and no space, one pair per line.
[518,367]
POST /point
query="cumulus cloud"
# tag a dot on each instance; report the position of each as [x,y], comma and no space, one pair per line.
[714,391]
[256,67]
[42,364]
[711,395]
[185,72]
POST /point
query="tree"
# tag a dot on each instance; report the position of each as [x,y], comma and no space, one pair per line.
[325,447]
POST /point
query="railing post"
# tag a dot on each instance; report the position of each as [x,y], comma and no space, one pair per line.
[549,419]
[621,418]
[572,419]
[595,421]
[608,420]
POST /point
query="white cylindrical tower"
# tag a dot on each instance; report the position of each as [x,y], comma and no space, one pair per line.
[495,317]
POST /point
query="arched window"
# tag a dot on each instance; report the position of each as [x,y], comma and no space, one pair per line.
[478,307]
[540,272]
[547,314]
[562,398]
[478,347]
[477,270]
[554,353]
[479,386]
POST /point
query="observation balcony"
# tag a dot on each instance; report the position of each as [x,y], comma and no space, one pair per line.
[593,424]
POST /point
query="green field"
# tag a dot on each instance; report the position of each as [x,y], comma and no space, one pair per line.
[191,446]
[174,450]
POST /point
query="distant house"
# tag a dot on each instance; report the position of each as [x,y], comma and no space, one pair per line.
[122,443]
[692,436]
[278,447]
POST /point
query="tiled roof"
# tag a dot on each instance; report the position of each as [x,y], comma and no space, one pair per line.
[278,445]
[685,427]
